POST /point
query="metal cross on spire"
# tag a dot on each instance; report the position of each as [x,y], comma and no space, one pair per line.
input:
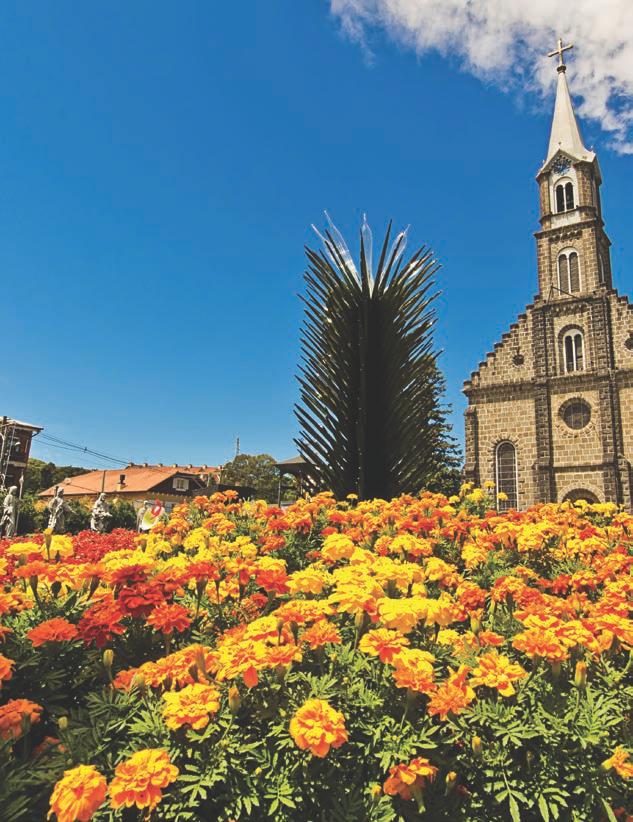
[559,51]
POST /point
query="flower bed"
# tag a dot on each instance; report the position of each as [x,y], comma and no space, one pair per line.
[413,659]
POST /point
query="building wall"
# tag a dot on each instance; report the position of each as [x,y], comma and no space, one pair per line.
[512,419]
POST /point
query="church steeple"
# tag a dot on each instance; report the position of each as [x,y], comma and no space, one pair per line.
[565,134]
[573,249]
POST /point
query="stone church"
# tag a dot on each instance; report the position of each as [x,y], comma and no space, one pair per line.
[550,409]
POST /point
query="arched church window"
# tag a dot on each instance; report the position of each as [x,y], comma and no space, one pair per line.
[574,351]
[568,272]
[564,196]
[506,476]
[569,196]
[560,198]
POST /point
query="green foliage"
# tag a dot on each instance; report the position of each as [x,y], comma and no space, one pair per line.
[123,515]
[370,413]
[256,471]
[40,475]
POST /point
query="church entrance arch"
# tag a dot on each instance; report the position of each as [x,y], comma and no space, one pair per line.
[579,494]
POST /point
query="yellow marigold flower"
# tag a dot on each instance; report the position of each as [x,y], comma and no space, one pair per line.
[408,779]
[78,794]
[383,643]
[139,781]
[401,614]
[337,546]
[309,581]
[620,763]
[192,706]
[318,727]
[495,670]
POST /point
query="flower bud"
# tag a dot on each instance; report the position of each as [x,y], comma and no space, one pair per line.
[580,675]
[108,659]
[56,588]
[234,699]
[280,672]
[451,781]
[556,668]
[138,683]
[201,585]
[33,584]
[62,723]
[376,792]
[476,746]
[475,625]
[200,660]
[193,672]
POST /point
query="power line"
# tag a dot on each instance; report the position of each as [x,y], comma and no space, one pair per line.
[57,442]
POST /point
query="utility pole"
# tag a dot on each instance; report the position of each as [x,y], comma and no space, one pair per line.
[237,447]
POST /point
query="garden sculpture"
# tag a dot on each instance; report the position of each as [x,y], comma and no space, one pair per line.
[9,520]
[100,514]
[140,514]
[57,512]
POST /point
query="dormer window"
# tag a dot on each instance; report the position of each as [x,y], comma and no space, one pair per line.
[568,272]
[564,196]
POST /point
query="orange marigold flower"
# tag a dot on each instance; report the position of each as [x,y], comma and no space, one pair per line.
[6,669]
[414,670]
[52,630]
[321,633]
[383,643]
[169,618]
[78,794]
[408,779]
[140,779]
[192,706]
[536,642]
[13,714]
[318,727]
[495,670]
[452,696]
[620,763]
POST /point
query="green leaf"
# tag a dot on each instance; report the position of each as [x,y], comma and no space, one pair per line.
[542,806]
[514,809]
[607,808]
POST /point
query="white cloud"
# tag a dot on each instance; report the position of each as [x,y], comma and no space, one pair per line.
[504,41]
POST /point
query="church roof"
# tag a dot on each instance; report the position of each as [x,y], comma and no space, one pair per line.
[565,134]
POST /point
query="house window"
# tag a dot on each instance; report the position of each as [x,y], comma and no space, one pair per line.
[506,474]
[568,272]
[576,414]
[574,351]
[564,197]
[181,484]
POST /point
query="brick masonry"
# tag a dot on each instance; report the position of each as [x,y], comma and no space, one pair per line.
[521,389]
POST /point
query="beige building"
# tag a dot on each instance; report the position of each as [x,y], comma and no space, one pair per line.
[550,409]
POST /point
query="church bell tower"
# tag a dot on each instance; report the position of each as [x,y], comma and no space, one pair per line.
[550,409]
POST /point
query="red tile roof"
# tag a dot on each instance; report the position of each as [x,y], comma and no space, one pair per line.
[138,479]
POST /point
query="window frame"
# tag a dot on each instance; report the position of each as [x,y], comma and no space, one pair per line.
[506,505]
[181,484]
[566,254]
[571,335]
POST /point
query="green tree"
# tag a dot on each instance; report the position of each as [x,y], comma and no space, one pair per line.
[255,471]
[371,413]
[123,515]
[40,475]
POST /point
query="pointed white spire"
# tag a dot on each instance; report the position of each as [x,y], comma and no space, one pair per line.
[565,134]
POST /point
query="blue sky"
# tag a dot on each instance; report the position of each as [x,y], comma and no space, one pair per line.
[161,167]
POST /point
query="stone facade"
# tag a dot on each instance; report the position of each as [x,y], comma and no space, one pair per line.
[559,384]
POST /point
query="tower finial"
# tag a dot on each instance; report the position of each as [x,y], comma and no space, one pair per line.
[559,51]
